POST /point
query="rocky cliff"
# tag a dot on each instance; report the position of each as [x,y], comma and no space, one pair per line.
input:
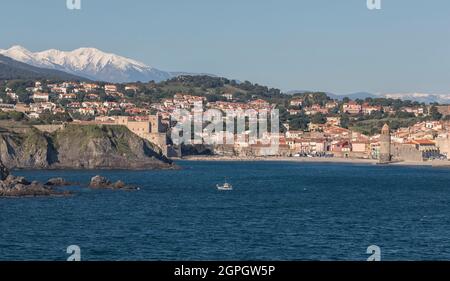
[79,147]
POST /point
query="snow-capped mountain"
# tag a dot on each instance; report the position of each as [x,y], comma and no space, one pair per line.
[90,63]
[420,97]
[12,69]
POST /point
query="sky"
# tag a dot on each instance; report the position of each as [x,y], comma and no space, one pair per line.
[325,45]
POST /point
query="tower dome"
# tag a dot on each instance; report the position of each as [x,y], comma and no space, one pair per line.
[385,130]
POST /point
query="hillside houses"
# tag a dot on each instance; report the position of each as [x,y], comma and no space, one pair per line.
[311,124]
[352,107]
[40,97]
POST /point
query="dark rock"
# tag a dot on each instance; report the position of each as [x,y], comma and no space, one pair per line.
[57,182]
[12,186]
[3,171]
[13,180]
[119,184]
[16,189]
[102,182]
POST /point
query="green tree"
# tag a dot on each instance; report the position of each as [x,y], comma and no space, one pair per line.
[435,114]
[345,120]
[318,118]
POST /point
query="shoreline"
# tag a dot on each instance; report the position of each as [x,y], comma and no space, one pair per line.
[437,163]
[52,168]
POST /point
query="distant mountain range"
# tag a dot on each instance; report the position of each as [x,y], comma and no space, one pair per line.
[12,69]
[359,95]
[92,64]
[353,96]
[419,97]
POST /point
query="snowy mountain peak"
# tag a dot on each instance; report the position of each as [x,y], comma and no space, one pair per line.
[17,52]
[91,63]
[19,48]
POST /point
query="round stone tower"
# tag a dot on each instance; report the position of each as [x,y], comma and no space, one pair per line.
[385,144]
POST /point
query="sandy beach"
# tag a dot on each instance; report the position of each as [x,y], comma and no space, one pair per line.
[281,159]
[436,163]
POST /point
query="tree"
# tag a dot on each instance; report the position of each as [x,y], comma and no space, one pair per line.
[215,97]
[404,115]
[435,114]
[14,115]
[345,120]
[49,118]
[24,97]
[298,122]
[319,118]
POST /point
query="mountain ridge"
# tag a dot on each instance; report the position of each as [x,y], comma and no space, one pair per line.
[13,69]
[419,97]
[90,63]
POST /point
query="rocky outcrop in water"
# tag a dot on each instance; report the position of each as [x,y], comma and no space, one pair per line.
[12,186]
[99,182]
[79,147]
[57,182]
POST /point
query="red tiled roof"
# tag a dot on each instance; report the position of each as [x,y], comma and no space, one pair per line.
[424,142]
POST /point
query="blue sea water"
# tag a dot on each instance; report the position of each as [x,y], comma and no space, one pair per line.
[277,211]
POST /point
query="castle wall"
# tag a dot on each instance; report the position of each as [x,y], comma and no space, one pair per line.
[140,128]
[444,145]
[49,128]
[251,151]
[151,130]
[406,152]
[156,124]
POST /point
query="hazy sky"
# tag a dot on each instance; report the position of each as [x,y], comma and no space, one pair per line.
[330,45]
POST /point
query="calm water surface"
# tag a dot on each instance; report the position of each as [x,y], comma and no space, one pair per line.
[277,211]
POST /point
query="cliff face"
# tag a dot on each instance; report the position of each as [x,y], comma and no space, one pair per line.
[27,150]
[80,147]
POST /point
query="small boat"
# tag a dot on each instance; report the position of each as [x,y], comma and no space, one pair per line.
[225,186]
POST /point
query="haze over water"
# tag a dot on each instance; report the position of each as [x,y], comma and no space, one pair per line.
[277,211]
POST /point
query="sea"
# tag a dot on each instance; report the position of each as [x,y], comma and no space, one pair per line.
[276,211]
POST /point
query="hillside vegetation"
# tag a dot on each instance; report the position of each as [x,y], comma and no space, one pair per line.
[78,147]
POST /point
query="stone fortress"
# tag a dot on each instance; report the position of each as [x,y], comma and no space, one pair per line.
[151,129]
[147,127]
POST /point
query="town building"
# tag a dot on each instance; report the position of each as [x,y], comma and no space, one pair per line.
[111,88]
[296,102]
[444,109]
[40,97]
[352,108]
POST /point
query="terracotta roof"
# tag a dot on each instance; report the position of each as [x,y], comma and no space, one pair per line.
[424,142]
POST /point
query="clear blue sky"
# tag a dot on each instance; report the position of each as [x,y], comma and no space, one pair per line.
[331,45]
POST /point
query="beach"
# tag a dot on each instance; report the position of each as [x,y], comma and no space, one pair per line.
[435,163]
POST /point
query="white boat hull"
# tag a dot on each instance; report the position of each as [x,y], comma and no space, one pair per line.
[224,188]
